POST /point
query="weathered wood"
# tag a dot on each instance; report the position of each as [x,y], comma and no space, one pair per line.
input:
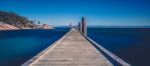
[73,50]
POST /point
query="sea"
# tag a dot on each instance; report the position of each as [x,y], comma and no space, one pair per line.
[130,44]
[18,46]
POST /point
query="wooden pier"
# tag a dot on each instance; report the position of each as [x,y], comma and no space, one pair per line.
[73,49]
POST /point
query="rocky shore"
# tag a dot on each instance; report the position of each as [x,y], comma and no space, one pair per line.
[8,27]
[4,26]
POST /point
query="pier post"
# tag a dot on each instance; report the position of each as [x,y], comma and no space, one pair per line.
[70,25]
[84,27]
[80,27]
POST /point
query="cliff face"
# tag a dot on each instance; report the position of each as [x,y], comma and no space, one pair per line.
[16,20]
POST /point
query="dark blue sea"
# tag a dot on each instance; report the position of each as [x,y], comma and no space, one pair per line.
[130,44]
[18,46]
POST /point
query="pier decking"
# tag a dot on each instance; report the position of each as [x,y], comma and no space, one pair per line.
[72,50]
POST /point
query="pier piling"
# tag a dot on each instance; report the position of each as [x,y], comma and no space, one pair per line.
[82,26]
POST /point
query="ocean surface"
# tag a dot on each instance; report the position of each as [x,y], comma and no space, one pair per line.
[130,44]
[18,46]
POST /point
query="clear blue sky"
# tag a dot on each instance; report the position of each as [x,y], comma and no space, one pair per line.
[97,12]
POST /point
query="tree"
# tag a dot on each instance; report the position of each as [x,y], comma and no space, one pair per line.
[14,19]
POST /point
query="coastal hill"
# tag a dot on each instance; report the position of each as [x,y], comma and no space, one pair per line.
[11,20]
[14,19]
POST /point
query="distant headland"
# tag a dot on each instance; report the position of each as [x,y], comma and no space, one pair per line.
[13,21]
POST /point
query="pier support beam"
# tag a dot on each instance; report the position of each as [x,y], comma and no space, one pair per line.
[80,27]
[84,26]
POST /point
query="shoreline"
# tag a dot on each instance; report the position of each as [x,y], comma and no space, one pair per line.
[8,27]
[11,27]
[25,29]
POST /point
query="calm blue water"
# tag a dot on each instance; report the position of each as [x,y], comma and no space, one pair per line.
[18,46]
[130,44]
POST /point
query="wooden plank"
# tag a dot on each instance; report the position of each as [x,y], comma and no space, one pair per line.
[73,50]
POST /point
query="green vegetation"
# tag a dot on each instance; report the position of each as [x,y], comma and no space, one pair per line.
[16,20]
